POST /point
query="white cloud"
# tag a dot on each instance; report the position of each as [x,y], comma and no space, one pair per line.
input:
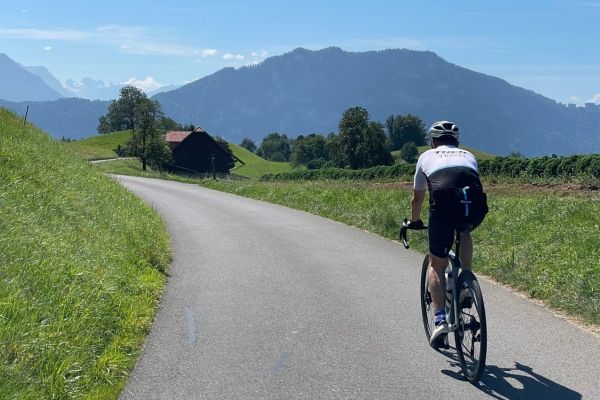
[595,98]
[124,47]
[261,54]
[575,99]
[229,56]
[48,48]
[17,33]
[208,52]
[147,85]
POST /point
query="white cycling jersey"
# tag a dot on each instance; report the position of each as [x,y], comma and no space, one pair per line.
[446,167]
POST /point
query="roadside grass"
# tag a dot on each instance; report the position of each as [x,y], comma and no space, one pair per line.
[99,147]
[255,166]
[546,246]
[82,266]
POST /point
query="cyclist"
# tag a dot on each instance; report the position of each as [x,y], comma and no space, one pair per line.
[456,199]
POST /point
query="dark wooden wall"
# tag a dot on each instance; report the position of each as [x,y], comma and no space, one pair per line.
[195,153]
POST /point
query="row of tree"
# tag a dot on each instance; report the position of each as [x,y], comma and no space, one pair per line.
[360,143]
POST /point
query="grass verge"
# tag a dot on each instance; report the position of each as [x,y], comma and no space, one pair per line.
[546,246]
[82,266]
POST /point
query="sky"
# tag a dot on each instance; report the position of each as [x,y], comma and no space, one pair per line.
[549,46]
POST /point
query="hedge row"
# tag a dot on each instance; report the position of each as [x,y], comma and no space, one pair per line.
[542,167]
[511,167]
[367,174]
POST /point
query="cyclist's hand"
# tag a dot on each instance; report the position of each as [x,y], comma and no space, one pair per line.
[417,224]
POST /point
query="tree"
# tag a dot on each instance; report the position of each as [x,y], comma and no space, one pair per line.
[361,143]
[121,113]
[248,144]
[310,151]
[146,141]
[275,147]
[402,129]
[409,152]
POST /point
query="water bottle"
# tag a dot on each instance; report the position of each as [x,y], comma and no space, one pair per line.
[448,275]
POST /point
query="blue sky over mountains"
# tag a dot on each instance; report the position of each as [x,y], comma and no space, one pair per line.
[549,46]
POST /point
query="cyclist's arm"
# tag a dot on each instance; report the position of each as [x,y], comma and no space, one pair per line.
[417,204]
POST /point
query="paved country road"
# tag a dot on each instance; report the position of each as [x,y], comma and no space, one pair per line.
[265,302]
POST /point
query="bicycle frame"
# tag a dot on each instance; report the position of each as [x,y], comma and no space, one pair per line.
[456,268]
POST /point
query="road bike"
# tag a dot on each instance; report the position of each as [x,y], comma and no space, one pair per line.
[465,311]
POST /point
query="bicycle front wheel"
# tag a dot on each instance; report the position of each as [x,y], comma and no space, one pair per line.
[471,332]
[427,310]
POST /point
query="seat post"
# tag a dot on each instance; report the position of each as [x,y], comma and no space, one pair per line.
[457,241]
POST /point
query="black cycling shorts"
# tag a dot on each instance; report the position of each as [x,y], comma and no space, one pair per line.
[450,209]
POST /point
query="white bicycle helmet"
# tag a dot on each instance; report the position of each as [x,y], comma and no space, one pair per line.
[443,128]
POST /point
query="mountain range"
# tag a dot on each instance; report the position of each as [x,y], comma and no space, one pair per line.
[306,91]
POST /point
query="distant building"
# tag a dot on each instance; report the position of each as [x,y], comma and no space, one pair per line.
[198,152]
[571,105]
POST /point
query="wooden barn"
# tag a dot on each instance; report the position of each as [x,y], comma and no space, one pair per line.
[198,152]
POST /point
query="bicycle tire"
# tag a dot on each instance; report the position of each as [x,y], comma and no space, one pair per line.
[471,330]
[427,311]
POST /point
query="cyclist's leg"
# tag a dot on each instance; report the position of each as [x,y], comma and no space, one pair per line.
[441,235]
[466,250]
[437,281]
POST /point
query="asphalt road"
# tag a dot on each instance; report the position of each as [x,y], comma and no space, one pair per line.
[265,302]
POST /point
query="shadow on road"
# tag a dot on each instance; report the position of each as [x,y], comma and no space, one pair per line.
[520,382]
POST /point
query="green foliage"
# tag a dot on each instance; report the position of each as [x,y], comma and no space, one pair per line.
[360,143]
[248,144]
[275,147]
[402,129]
[310,151]
[146,142]
[380,172]
[82,264]
[409,152]
[524,241]
[542,167]
[121,113]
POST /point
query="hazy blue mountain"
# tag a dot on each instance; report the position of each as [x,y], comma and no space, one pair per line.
[307,91]
[18,84]
[92,89]
[70,117]
[49,79]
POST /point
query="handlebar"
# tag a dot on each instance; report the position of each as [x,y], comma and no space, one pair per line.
[404,229]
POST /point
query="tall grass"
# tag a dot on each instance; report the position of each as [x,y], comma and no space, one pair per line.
[543,243]
[82,265]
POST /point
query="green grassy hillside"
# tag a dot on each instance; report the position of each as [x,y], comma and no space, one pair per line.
[255,167]
[82,265]
[100,146]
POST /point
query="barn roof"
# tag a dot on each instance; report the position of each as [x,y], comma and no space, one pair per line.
[179,136]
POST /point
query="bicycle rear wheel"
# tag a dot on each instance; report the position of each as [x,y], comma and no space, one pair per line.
[471,332]
[427,310]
